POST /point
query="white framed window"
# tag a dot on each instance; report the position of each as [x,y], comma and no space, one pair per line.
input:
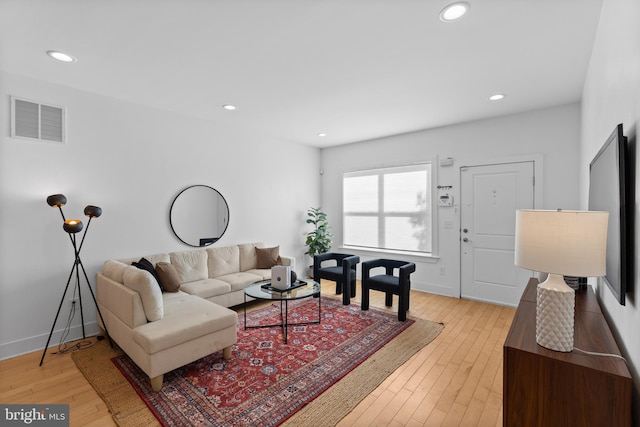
[389,209]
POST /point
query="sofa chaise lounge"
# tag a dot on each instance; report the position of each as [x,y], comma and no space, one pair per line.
[177,312]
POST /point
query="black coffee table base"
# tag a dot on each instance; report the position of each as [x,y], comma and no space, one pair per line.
[284,298]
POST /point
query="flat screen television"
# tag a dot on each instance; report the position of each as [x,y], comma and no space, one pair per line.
[608,191]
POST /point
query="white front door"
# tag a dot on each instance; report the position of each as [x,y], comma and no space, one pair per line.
[490,196]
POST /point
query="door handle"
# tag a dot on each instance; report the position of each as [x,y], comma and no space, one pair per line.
[465,240]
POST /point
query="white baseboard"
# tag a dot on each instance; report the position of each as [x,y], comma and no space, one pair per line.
[37,343]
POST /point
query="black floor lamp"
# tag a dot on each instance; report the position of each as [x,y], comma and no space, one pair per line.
[73,227]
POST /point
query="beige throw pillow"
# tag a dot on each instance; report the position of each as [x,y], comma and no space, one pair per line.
[268,257]
[168,277]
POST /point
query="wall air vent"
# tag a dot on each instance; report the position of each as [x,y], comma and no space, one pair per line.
[33,120]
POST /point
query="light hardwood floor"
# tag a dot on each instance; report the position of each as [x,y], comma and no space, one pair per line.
[456,380]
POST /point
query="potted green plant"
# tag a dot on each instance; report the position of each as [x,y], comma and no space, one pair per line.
[319,239]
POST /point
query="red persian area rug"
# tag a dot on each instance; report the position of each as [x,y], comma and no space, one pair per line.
[267,381]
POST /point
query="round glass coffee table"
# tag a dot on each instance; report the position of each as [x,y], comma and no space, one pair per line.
[301,289]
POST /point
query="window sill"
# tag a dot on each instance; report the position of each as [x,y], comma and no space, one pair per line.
[407,256]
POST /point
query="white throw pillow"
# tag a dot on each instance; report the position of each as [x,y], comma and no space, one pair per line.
[146,285]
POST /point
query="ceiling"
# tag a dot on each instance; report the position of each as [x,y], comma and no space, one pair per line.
[353,69]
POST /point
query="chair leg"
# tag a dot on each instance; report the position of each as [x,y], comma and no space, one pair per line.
[402,313]
[364,304]
[338,288]
[346,295]
[403,306]
[353,289]
[388,299]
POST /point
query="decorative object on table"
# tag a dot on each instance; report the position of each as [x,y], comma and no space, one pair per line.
[390,284]
[343,272]
[294,285]
[73,227]
[576,283]
[571,243]
[319,239]
[303,382]
[281,277]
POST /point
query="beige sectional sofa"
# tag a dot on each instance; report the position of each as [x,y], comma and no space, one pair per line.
[176,312]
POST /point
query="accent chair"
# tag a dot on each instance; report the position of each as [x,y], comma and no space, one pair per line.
[342,271]
[398,284]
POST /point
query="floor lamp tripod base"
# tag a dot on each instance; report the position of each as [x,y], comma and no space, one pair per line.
[76,266]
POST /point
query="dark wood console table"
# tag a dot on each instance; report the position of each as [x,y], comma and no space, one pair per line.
[542,387]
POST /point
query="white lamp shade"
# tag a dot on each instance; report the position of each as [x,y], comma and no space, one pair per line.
[570,243]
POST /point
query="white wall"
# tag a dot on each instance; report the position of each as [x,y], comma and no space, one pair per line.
[552,134]
[131,161]
[612,95]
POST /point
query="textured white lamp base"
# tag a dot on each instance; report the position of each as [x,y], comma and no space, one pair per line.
[555,314]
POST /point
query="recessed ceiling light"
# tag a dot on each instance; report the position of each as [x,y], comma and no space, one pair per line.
[60,56]
[229,107]
[496,97]
[322,134]
[454,11]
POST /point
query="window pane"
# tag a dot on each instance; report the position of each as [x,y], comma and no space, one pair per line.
[361,231]
[404,192]
[388,208]
[409,234]
[360,194]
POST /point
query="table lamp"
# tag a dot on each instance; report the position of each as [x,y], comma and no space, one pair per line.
[571,243]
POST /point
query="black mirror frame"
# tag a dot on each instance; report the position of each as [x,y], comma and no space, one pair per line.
[207,241]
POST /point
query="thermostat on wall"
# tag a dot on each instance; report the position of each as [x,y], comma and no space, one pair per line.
[445,198]
[447,161]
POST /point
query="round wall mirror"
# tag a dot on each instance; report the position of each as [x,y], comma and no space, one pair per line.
[199,215]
